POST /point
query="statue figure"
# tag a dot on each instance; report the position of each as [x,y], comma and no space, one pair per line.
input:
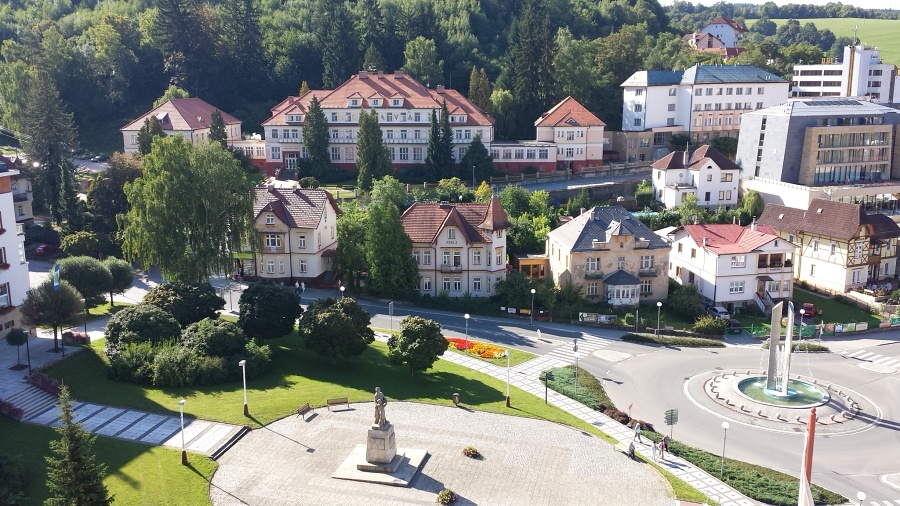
[380,402]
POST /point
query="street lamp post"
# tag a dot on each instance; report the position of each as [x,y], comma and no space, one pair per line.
[802,314]
[243,364]
[85,318]
[506,352]
[473,178]
[658,314]
[724,437]
[575,350]
[184,460]
[466,316]
[342,291]
[532,305]
[861,496]
[547,377]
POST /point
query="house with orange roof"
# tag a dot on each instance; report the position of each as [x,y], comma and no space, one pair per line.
[732,265]
[569,136]
[188,117]
[706,173]
[298,234]
[459,248]
[404,107]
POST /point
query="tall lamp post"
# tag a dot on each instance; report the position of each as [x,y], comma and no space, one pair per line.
[577,356]
[802,314]
[473,178]
[184,460]
[506,352]
[724,437]
[85,318]
[658,313]
[861,496]
[342,291]
[243,364]
[532,305]
[466,316]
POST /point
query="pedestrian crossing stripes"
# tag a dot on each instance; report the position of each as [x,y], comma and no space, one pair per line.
[895,502]
[868,356]
[587,344]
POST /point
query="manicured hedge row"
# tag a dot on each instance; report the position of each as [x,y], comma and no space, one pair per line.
[686,342]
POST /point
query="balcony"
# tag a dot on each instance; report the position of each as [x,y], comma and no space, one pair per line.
[451,268]
[20,197]
[593,275]
[270,250]
[20,229]
[397,140]
[647,273]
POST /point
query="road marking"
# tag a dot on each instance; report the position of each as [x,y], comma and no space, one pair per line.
[882,360]
[866,355]
[854,354]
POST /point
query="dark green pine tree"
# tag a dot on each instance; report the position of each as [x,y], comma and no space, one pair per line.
[242,40]
[336,38]
[432,160]
[530,68]
[73,475]
[445,150]
[373,60]
[372,159]
[48,138]
[480,89]
[186,38]
[315,138]
[74,209]
[370,25]
[147,133]
[392,269]
[477,156]
[217,129]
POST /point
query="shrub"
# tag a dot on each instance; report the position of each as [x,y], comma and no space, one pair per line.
[259,359]
[617,415]
[81,244]
[686,342]
[141,323]
[211,370]
[308,182]
[217,338]
[685,302]
[133,363]
[471,452]
[187,302]
[446,496]
[13,483]
[268,310]
[706,324]
[174,366]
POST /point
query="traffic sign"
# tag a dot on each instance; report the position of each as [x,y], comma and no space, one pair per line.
[671,416]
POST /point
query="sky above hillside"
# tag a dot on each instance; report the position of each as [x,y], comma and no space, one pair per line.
[865,4]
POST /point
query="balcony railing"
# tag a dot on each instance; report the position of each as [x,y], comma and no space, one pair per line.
[20,197]
[647,273]
[451,268]
[273,249]
[593,275]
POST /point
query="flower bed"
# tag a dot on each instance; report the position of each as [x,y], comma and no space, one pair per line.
[483,350]
[11,411]
[46,383]
[446,496]
[73,337]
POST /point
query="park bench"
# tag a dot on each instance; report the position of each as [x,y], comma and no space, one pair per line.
[337,401]
[304,409]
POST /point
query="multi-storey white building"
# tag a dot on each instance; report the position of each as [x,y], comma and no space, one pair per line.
[732,265]
[706,173]
[458,248]
[704,101]
[14,284]
[860,73]
[726,30]
[188,117]
[404,108]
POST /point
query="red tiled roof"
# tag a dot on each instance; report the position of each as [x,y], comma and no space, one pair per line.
[701,156]
[724,239]
[297,207]
[827,218]
[722,20]
[424,221]
[397,85]
[569,111]
[182,114]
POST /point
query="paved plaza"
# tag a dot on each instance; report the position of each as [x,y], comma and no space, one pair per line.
[526,461]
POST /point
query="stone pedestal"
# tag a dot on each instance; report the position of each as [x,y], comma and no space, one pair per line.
[381,450]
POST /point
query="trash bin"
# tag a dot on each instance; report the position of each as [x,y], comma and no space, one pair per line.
[456,398]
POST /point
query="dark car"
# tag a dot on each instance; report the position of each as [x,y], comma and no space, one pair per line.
[733,327]
[45,249]
[100,158]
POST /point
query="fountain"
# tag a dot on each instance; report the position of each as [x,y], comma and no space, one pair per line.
[780,389]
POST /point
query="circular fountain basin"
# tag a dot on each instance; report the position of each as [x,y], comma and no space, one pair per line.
[800,394]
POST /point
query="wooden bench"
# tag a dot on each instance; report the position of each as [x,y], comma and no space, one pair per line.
[304,409]
[337,401]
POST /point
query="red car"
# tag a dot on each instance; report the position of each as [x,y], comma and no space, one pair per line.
[45,249]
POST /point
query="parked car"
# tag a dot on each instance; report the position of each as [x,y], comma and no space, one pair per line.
[733,327]
[719,313]
[809,309]
[100,158]
[45,249]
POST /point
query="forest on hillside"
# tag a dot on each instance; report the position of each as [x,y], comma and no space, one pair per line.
[109,60]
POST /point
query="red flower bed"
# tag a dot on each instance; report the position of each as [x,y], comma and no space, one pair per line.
[46,383]
[11,411]
[460,343]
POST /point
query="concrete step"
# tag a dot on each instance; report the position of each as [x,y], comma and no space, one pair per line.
[33,401]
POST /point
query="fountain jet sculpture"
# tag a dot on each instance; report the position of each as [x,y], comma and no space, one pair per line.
[777,380]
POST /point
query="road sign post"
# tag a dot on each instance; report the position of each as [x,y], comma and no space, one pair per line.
[671,419]
[391,314]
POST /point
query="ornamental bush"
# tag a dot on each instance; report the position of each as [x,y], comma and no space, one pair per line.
[259,359]
[174,366]
[187,302]
[706,324]
[137,324]
[217,338]
[133,363]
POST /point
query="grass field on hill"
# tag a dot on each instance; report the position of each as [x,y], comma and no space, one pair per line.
[881,33]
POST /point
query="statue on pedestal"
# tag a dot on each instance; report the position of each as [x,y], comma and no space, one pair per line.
[380,403]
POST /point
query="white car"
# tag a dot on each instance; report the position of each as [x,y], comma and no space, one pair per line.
[719,313]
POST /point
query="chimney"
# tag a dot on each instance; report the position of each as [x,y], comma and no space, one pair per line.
[753,225]
[398,74]
[684,158]
[439,88]
[380,74]
[705,240]
[582,212]
[694,219]
[363,74]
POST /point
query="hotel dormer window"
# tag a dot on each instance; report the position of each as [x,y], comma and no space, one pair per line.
[376,102]
[395,102]
[354,102]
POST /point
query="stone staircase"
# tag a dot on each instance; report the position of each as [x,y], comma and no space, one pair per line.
[33,401]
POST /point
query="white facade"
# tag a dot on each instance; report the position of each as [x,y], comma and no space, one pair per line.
[860,73]
[724,31]
[187,117]
[734,278]
[14,282]
[707,174]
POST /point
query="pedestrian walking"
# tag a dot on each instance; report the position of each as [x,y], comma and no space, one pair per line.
[302,287]
[297,288]
[655,451]
[665,445]
[637,432]
[661,449]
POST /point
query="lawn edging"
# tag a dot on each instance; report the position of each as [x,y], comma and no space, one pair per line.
[685,342]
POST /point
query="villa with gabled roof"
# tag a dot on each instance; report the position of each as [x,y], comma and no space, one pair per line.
[188,117]
[458,248]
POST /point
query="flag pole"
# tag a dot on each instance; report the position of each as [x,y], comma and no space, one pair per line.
[810,440]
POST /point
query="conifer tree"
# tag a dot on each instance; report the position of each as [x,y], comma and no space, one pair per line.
[530,68]
[147,133]
[480,89]
[338,44]
[373,60]
[217,129]
[434,140]
[73,474]
[446,143]
[315,138]
[304,89]
[477,156]
[372,159]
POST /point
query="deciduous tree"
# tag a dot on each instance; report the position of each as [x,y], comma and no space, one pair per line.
[484,193]
[187,302]
[107,199]
[122,276]
[190,210]
[89,276]
[419,344]
[81,244]
[171,92]
[392,269]
[336,328]
[16,337]
[421,62]
[514,200]
[45,306]
[268,310]
[351,235]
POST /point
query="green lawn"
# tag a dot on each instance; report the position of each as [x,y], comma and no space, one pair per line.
[137,473]
[881,33]
[836,312]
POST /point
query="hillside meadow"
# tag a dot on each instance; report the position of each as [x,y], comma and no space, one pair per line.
[881,33]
